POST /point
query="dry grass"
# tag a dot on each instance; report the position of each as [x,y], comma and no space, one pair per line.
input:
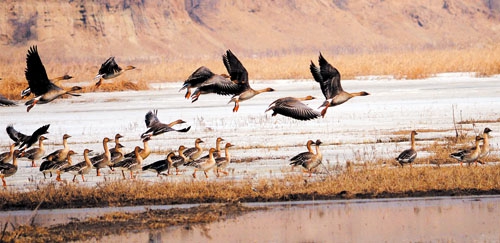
[369,179]
[402,65]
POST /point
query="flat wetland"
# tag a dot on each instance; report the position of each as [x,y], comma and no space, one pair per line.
[360,139]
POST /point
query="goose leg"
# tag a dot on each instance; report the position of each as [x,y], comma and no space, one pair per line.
[58,178]
[83,178]
[188,93]
[123,174]
[323,112]
[236,106]
[206,175]
[74,178]
[98,172]
[194,173]
[33,164]
[3,182]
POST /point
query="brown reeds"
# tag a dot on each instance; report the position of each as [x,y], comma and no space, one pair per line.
[416,64]
[367,181]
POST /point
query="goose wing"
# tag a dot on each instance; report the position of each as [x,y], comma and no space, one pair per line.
[16,136]
[327,76]
[236,70]
[36,75]
[407,156]
[6,102]
[151,118]
[293,108]
[35,136]
[109,67]
[220,86]
[198,77]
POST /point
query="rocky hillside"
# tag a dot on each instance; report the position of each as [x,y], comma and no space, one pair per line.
[149,29]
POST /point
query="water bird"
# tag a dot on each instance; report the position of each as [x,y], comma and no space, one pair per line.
[81,168]
[45,91]
[6,102]
[298,159]
[201,76]
[195,152]
[110,69]
[131,164]
[8,169]
[328,78]
[60,154]
[408,155]
[102,160]
[223,162]
[468,155]
[203,164]
[34,154]
[25,141]
[294,108]
[5,157]
[155,127]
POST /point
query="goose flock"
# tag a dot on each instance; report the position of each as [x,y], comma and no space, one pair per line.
[234,84]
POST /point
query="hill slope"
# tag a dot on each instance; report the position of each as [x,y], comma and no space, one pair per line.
[84,30]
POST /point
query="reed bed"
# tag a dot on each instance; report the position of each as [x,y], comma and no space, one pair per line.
[415,64]
[368,181]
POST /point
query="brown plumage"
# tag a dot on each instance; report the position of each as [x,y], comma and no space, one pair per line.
[298,159]
[155,127]
[203,164]
[131,164]
[45,91]
[102,160]
[7,169]
[110,69]
[201,76]
[5,157]
[81,168]
[144,152]
[60,154]
[294,108]
[35,153]
[328,78]
[408,155]
[194,152]
[223,162]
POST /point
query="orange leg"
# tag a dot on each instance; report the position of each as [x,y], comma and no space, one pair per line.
[206,175]
[31,106]
[323,112]
[33,163]
[123,174]
[58,178]
[188,93]
[131,175]
[98,83]
[194,173]
[3,182]
[83,178]
[236,106]
[74,178]
[98,172]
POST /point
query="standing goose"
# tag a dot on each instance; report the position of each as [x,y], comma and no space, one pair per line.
[109,69]
[199,77]
[310,163]
[179,160]
[217,153]
[27,91]
[155,127]
[5,157]
[25,141]
[203,164]
[408,155]
[469,156]
[194,152]
[35,153]
[131,164]
[117,154]
[223,162]
[45,91]
[144,152]
[6,102]
[485,148]
[7,169]
[117,141]
[298,159]
[102,160]
[60,154]
[48,166]
[328,78]
[161,165]
[294,108]
[81,168]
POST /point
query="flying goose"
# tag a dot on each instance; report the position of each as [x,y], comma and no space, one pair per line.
[328,78]
[155,127]
[109,69]
[45,91]
[294,108]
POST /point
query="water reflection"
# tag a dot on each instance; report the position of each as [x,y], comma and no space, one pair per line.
[454,219]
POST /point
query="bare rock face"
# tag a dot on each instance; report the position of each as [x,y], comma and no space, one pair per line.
[190,28]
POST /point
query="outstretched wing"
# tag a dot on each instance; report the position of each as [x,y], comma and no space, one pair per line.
[16,136]
[199,76]
[331,77]
[109,67]
[40,131]
[236,70]
[151,118]
[35,73]
[6,102]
